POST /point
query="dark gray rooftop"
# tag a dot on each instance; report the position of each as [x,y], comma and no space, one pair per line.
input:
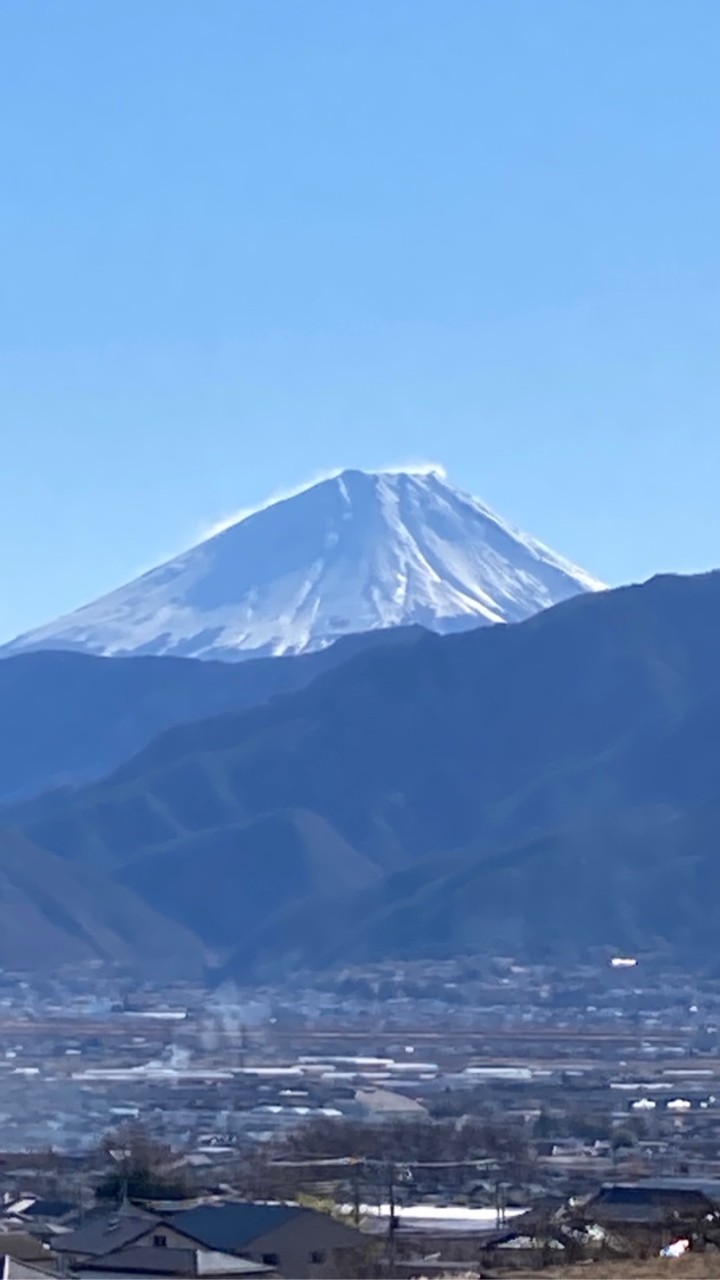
[102,1234]
[231,1227]
[49,1209]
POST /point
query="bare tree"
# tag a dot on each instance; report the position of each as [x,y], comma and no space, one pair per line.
[138,1167]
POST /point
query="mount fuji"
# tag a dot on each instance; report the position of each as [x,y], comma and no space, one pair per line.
[356,552]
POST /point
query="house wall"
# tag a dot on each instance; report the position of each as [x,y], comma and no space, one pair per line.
[295,1241]
[68,1258]
[124,1275]
[175,1239]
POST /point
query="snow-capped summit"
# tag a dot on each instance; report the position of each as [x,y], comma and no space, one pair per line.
[352,553]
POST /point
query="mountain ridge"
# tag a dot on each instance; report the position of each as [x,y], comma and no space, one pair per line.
[54,912]
[71,717]
[357,552]
[569,751]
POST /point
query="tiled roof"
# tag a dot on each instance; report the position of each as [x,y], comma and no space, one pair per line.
[230,1227]
[103,1234]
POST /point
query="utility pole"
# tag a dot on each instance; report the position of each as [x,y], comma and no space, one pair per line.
[356,1195]
[500,1205]
[392,1221]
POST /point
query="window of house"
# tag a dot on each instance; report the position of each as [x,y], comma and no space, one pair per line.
[271,1259]
[160,1242]
[317,1257]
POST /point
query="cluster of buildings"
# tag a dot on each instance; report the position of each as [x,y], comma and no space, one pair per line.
[210,1238]
[231,1239]
[607,1074]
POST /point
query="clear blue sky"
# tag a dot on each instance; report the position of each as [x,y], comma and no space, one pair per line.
[247,240]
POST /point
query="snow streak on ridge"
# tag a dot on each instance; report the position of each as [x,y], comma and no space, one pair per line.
[358,551]
[318,477]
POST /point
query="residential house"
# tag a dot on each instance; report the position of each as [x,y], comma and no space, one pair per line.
[290,1238]
[654,1201]
[287,1239]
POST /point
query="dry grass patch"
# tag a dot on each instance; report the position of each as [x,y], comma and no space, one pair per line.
[695,1266]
